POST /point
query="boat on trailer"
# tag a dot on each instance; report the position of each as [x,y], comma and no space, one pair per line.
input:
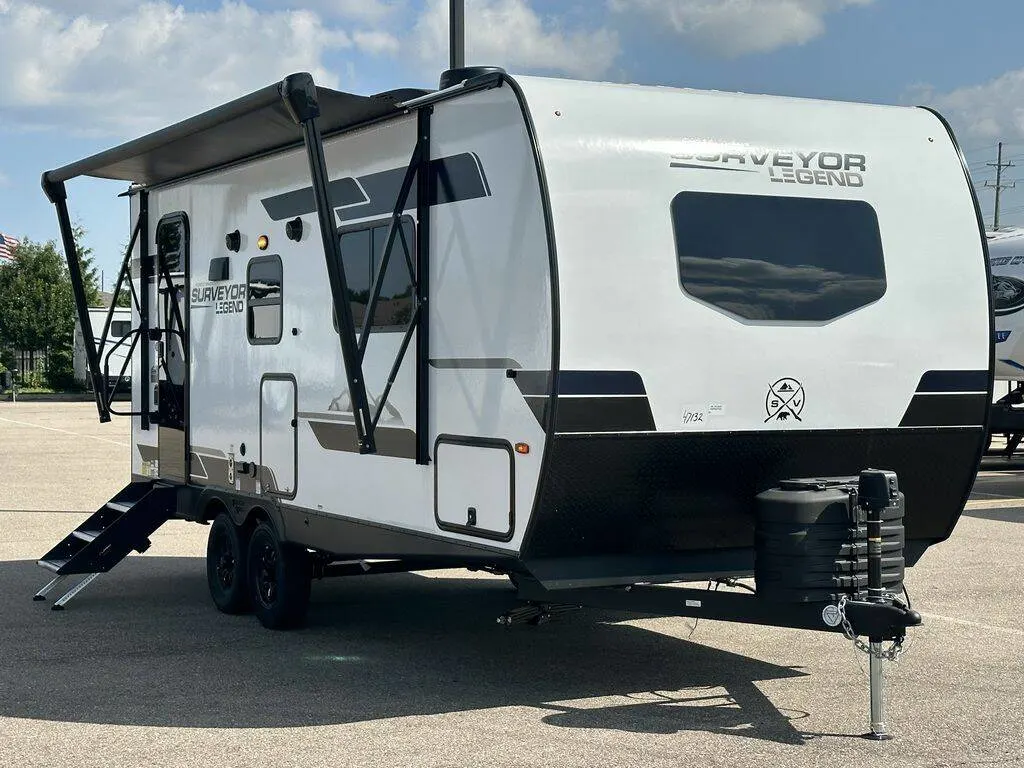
[601,338]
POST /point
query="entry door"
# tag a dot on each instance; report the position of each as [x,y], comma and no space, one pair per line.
[172,255]
[278,435]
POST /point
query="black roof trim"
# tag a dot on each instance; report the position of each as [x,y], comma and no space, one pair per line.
[251,125]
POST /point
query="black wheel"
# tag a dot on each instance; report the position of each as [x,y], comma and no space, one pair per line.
[279,579]
[226,572]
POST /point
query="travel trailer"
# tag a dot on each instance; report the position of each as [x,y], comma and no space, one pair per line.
[588,335]
[114,358]
[1006,260]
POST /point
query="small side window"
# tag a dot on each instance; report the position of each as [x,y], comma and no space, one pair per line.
[263,300]
[120,328]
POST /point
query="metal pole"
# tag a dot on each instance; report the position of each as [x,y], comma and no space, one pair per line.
[457,33]
[878,729]
[999,183]
[145,278]
[424,182]
[58,195]
[300,98]
[999,186]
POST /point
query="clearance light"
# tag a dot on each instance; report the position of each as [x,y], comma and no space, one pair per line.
[522,448]
[262,242]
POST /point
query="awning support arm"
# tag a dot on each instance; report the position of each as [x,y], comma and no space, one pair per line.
[394,227]
[58,195]
[423,199]
[299,95]
[125,269]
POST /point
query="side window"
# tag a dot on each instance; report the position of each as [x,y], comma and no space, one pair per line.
[120,328]
[263,299]
[778,258]
[362,251]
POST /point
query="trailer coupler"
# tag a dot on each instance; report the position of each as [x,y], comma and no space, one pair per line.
[887,620]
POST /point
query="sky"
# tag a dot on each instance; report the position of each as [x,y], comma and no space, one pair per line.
[79,76]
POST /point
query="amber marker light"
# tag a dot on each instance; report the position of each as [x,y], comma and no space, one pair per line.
[522,448]
[262,242]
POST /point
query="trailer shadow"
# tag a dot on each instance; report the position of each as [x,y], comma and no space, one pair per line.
[998,514]
[144,646]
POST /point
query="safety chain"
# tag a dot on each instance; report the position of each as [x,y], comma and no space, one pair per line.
[892,653]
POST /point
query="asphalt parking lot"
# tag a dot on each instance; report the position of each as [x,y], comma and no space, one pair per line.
[412,669]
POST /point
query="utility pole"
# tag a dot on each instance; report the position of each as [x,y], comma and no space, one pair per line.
[457,34]
[999,186]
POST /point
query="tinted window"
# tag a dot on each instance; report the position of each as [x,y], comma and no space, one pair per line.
[778,258]
[170,243]
[120,328]
[362,251]
[263,298]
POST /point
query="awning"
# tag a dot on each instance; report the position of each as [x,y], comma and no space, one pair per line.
[246,127]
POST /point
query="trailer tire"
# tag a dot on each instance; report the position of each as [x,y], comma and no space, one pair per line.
[279,579]
[227,571]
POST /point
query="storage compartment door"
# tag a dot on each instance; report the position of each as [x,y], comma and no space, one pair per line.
[474,486]
[278,436]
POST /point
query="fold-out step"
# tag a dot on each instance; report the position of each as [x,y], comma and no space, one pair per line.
[122,525]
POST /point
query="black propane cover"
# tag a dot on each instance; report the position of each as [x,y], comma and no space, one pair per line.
[811,541]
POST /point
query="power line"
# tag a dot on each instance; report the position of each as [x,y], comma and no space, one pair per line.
[999,186]
[980,147]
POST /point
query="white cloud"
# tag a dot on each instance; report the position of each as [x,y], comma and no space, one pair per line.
[992,110]
[737,27]
[376,42]
[369,11]
[509,33]
[128,72]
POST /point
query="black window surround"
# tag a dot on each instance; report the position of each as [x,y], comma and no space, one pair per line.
[120,328]
[263,295]
[778,258]
[171,242]
[362,249]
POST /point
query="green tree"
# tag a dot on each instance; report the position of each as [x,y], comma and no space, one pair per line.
[88,266]
[37,307]
[124,296]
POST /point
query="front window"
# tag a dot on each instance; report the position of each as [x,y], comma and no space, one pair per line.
[778,258]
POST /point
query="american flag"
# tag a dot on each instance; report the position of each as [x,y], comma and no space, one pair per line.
[7,244]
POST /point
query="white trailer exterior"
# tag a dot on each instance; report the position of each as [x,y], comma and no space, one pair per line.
[618,313]
[115,355]
[1006,258]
